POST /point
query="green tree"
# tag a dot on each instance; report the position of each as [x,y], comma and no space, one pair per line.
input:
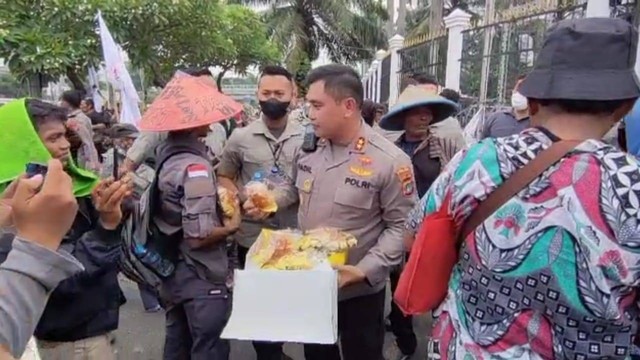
[44,39]
[350,30]
[246,42]
[48,37]
[162,35]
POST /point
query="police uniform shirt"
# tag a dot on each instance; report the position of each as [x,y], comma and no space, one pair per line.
[188,198]
[366,189]
[253,150]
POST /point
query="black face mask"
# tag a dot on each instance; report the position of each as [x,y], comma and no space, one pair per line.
[274,109]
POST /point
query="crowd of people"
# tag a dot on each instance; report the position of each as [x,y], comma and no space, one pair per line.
[551,274]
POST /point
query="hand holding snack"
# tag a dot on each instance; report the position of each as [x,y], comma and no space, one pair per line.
[228,202]
[254,212]
[232,223]
[261,198]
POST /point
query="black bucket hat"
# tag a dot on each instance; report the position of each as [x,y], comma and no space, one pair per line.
[585,59]
[120,131]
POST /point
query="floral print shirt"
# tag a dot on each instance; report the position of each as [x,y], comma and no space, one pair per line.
[554,273]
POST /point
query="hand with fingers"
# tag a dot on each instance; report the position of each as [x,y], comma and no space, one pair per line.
[253,211]
[6,218]
[43,209]
[107,199]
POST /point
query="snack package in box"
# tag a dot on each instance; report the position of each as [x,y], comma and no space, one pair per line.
[279,250]
[293,250]
[261,196]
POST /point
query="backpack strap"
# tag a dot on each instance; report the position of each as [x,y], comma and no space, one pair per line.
[518,181]
[154,194]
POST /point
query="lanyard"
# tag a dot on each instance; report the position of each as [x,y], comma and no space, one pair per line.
[276,151]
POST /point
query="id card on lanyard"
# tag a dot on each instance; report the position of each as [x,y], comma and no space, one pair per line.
[276,173]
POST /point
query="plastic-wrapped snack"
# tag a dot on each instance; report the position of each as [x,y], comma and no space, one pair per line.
[329,240]
[298,260]
[261,196]
[272,245]
[262,250]
[227,202]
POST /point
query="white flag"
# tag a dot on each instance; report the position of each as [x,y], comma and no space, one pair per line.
[118,75]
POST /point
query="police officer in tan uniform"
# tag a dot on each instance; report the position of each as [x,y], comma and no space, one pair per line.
[358,182]
[265,150]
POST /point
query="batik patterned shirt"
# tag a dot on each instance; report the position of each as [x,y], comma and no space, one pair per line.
[554,273]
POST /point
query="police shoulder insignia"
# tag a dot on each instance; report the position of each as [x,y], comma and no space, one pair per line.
[405,175]
[407,188]
[360,143]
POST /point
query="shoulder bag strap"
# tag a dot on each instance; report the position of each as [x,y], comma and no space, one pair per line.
[518,181]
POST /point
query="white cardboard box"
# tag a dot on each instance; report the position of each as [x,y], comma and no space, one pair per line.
[283,305]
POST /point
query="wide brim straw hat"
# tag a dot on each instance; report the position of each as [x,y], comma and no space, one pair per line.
[412,97]
[188,102]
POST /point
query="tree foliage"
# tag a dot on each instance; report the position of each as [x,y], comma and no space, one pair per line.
[350,30]
[59,37]
[246,42]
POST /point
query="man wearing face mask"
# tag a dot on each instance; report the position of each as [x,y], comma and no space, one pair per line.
[264,149]
[506,123]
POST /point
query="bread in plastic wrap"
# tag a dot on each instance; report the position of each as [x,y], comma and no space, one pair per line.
[261,196]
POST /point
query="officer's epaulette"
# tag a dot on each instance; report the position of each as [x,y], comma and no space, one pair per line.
[378,141]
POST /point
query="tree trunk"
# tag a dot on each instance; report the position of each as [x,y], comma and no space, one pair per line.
[219,78]
[402,17]
[156,77]
[75,79]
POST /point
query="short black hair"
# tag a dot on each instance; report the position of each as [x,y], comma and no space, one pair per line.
[89,101]
[368,111]
[340,81]
[276,70]
[41,112]
[197,71]
[603,107]
[73,97]
[424,79]
[450,94]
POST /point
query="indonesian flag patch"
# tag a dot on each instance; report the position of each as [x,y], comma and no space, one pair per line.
[197,170]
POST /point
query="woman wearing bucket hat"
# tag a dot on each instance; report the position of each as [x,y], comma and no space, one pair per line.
[553,272]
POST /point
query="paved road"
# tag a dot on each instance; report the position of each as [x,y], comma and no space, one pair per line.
[140,336]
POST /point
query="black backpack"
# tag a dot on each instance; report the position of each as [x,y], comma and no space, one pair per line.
[148,255]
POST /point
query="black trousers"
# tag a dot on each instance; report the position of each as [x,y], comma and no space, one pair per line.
[361,330]
[264,350]
[401,325]
[197,312]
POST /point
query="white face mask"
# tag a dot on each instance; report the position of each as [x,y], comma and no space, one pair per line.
[519,102]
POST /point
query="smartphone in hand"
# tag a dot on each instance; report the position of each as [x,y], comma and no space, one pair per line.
[33,169]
